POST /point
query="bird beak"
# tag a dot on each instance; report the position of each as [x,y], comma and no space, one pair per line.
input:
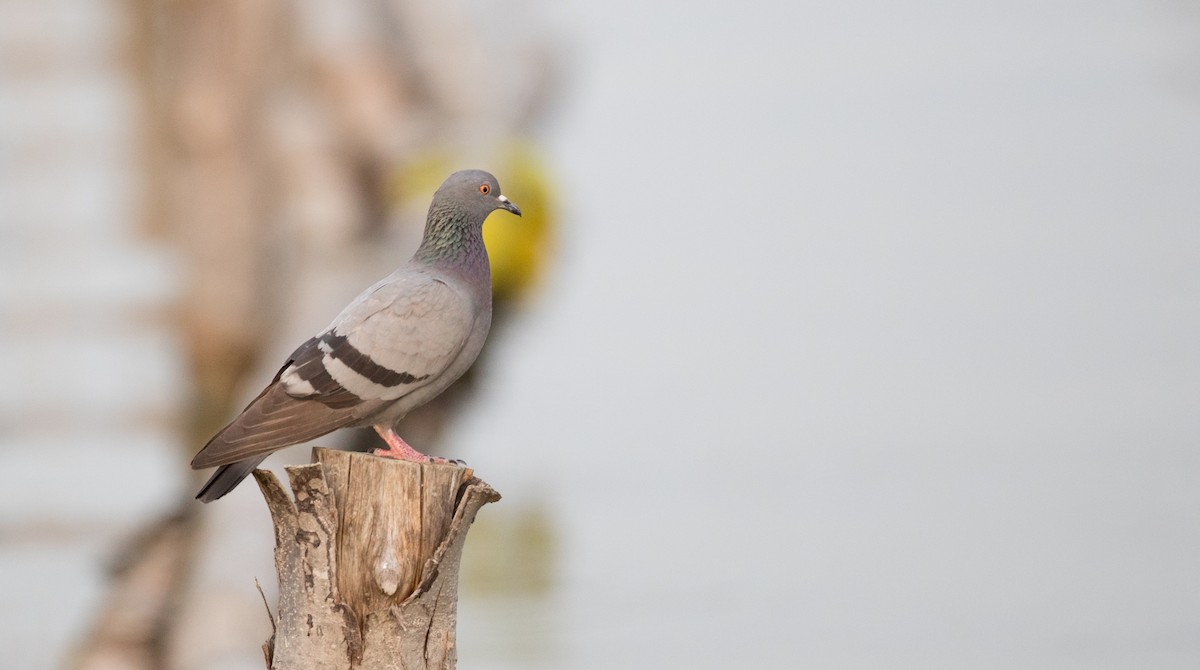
[508,206]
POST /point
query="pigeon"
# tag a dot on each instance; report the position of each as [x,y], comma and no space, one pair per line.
[396,346]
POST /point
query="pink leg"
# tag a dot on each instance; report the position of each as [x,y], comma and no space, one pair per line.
[399,449]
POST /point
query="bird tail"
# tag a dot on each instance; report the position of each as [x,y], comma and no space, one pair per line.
[226,477]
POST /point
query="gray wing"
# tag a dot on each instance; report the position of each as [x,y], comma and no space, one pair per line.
[398,336]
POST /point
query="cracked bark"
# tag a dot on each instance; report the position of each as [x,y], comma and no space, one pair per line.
[367,556]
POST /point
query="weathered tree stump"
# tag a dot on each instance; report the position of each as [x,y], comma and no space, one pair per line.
[368,558]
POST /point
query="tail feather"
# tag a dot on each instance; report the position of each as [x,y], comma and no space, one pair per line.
[226,477]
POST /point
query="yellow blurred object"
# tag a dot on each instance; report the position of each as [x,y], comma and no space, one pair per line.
[519,249]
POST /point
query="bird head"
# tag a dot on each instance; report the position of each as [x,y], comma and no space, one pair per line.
[477,192]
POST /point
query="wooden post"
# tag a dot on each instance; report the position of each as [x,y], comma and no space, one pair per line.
[368,557]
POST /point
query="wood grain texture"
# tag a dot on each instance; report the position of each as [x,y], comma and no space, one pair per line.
[393,514]
[368,557]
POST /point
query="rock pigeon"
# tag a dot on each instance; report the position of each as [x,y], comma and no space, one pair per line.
[393,348]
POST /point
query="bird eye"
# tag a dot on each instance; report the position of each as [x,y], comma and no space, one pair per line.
[485,189]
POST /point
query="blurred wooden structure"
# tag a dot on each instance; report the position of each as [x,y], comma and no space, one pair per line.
[368,560]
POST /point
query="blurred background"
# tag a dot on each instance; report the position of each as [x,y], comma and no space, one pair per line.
[835,335]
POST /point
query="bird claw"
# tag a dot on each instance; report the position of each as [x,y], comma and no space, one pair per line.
[448,461]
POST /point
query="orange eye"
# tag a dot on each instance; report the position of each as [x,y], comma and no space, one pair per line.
[485,189]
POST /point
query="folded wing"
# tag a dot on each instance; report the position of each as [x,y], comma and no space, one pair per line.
[398,336]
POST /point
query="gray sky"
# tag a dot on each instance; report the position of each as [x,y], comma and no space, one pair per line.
[874,338]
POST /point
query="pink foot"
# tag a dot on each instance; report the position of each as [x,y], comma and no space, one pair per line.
[400,450]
